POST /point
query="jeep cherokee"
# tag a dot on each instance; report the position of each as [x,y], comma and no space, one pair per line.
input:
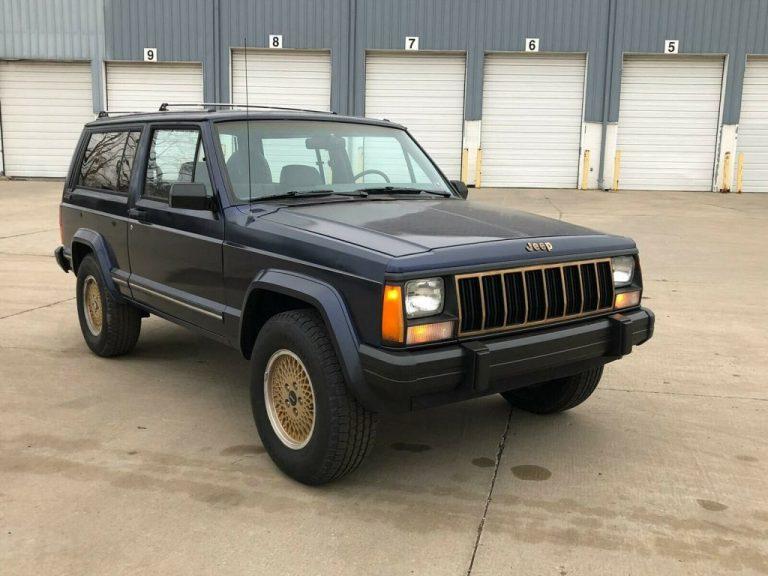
[337,257]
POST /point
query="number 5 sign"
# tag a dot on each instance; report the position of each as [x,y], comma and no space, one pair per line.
[671,46]
[531,44]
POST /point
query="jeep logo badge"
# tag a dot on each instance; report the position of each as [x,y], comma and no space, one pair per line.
[539,247]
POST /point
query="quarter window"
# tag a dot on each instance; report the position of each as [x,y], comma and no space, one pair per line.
[108,160]
[176,155]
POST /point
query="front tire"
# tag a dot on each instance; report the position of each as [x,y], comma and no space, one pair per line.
[312,427]
[555,395]
[110,327]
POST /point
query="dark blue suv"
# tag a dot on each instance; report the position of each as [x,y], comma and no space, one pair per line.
[334,254]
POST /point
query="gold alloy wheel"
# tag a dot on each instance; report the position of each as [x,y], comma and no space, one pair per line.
[92,305]
[290,399]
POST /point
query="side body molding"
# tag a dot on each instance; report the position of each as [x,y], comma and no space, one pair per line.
[329,303]
[100,249]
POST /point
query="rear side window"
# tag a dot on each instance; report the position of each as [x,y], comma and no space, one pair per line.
[108,160]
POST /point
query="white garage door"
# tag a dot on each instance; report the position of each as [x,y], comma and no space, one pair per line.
[532,117]
[143,86]
[283,78]
[753,126]
[668,122]
[44,107]
[425,93]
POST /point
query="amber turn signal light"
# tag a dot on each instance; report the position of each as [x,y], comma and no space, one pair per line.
[423,333]
[627,299]
[392,323]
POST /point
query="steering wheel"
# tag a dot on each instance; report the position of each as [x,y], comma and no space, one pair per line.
[371,171]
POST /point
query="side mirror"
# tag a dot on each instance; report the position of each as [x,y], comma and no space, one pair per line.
[189,195]
[461,188]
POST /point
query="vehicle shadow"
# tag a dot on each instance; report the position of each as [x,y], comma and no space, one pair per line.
[450,442]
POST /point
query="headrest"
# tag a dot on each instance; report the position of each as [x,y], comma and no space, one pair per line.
[299,175]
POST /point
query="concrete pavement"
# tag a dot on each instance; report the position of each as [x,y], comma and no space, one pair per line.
[151,464]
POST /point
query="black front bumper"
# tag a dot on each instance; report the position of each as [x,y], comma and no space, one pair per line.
[407,380]
[62,259]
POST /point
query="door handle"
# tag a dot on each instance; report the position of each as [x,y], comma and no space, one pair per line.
[137,214]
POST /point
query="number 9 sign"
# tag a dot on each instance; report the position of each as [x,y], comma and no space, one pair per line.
[150,54]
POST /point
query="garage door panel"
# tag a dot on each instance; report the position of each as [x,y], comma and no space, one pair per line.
[291,78]
[532,117]
[753,125]
[424,92]
[45,105]
[143,86]
[668,122]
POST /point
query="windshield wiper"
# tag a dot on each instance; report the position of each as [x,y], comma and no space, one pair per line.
[404,190]
[309,194]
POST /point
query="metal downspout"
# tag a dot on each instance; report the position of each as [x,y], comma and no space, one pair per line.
[607,89]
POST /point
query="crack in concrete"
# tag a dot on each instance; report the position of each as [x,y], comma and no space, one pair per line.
[27,233]
[555,206]
[36,308]
[692,394]
[481,525]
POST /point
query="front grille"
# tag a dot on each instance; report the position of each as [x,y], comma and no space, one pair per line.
[522,297]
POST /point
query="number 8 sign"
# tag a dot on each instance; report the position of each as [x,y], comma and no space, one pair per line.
[275,40]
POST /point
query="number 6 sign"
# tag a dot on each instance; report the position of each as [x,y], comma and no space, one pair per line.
[531,44]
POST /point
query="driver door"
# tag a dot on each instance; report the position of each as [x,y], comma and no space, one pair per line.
[175,253]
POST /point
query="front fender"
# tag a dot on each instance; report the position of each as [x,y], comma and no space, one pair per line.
[98,246]
[329,303]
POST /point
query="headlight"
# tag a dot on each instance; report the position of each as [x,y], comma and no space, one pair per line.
[424,297]
[623,270]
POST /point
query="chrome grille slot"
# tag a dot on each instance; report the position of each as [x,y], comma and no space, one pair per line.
[589,284]
[573,296]
[605,279]
[493,300]
[555,296]
[537,297]
[517,305]
[503,300]
[469,301]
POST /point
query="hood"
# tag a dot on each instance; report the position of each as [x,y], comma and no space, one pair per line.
[403,227]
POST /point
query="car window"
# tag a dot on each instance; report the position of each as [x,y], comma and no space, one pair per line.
[108,160]
[176,155]
[266,157]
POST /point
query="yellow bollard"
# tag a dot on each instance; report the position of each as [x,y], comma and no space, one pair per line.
[739,172]
[478,167]
[585,171]
[726,185]
[616,170]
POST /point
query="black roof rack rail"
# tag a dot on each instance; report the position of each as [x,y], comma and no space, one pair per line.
[214,105]
[106,113]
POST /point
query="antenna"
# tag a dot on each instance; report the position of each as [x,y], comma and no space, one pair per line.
[247,120]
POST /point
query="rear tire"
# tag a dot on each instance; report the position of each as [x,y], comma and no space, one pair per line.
[312,427]
[110,327]
[555,395]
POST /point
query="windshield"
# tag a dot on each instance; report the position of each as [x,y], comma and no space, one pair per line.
[297,157]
